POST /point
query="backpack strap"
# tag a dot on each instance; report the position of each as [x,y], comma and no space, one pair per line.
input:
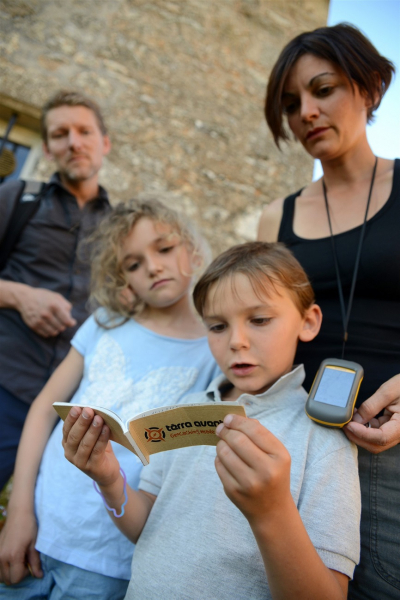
[25,206]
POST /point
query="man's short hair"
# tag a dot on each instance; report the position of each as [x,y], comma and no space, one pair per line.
[265,265]
[71,98]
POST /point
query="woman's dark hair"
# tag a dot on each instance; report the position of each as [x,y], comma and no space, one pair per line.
[344,46]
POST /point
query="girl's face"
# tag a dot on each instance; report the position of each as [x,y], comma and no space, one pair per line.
[156,264]
[325,114]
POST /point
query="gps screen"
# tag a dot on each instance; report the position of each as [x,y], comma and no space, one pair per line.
[334,387]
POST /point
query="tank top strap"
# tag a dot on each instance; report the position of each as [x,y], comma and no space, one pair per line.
[393,204]
[286,226]
[396,178]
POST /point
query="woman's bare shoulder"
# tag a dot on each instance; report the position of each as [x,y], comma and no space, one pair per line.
[270,221]
[271,216]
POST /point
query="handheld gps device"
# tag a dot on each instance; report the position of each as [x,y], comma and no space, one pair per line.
[334,392]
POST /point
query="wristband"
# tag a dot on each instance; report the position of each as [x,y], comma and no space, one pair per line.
[104,500]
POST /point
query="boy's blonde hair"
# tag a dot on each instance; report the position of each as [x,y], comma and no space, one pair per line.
[108,281]
[265,265]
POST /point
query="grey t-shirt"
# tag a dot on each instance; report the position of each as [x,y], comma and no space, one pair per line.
[197,545]
[45,256]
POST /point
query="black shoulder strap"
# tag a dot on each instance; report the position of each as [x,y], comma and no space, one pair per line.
[396,176]
[25,206]
[286,227]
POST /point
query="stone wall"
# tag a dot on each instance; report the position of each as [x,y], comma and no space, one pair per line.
[182,85]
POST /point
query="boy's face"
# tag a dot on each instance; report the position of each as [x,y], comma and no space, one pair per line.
[253,336]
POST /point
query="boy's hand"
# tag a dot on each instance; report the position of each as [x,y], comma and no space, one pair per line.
[254,467]
[86,445]
[17,549]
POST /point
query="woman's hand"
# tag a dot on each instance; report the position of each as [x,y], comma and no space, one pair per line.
[384,432]
[86,445]
[254,467]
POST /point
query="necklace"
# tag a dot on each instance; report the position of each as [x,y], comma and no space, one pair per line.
[346,314]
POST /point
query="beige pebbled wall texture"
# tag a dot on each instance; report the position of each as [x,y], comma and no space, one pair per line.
[182,85]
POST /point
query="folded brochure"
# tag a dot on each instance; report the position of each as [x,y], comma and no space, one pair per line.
[164,428]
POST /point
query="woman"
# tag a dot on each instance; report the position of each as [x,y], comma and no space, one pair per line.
[344,229]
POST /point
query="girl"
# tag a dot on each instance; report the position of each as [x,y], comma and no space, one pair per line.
[328,83]
[143,348]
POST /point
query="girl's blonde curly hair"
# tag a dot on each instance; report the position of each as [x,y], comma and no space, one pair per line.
[108,281]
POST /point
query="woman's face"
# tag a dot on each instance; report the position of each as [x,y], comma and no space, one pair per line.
[324,112]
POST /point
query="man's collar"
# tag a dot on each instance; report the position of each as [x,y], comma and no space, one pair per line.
[102,195]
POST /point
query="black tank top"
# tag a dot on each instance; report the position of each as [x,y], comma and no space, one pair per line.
[374,327]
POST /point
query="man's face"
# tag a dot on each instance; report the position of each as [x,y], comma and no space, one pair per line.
[253,337]
[75,142]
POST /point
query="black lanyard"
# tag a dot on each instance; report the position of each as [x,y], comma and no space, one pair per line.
[346,315]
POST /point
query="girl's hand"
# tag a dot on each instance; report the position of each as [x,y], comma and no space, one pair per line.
[384,432]
[18,557]
[86,445]
[254,467]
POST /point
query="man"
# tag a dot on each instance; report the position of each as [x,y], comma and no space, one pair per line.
[44,284]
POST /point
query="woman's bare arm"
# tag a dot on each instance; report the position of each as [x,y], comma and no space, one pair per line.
[270,221]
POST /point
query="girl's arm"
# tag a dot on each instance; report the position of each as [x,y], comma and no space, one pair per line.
[254,468]
[86,445]
[17,540]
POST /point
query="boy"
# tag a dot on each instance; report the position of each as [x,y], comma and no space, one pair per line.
[292,528]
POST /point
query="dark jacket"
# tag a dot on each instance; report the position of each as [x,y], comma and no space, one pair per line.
[45,256]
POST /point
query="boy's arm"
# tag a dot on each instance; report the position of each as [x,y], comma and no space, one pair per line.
[254,468]
[17,540]
[87,446]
